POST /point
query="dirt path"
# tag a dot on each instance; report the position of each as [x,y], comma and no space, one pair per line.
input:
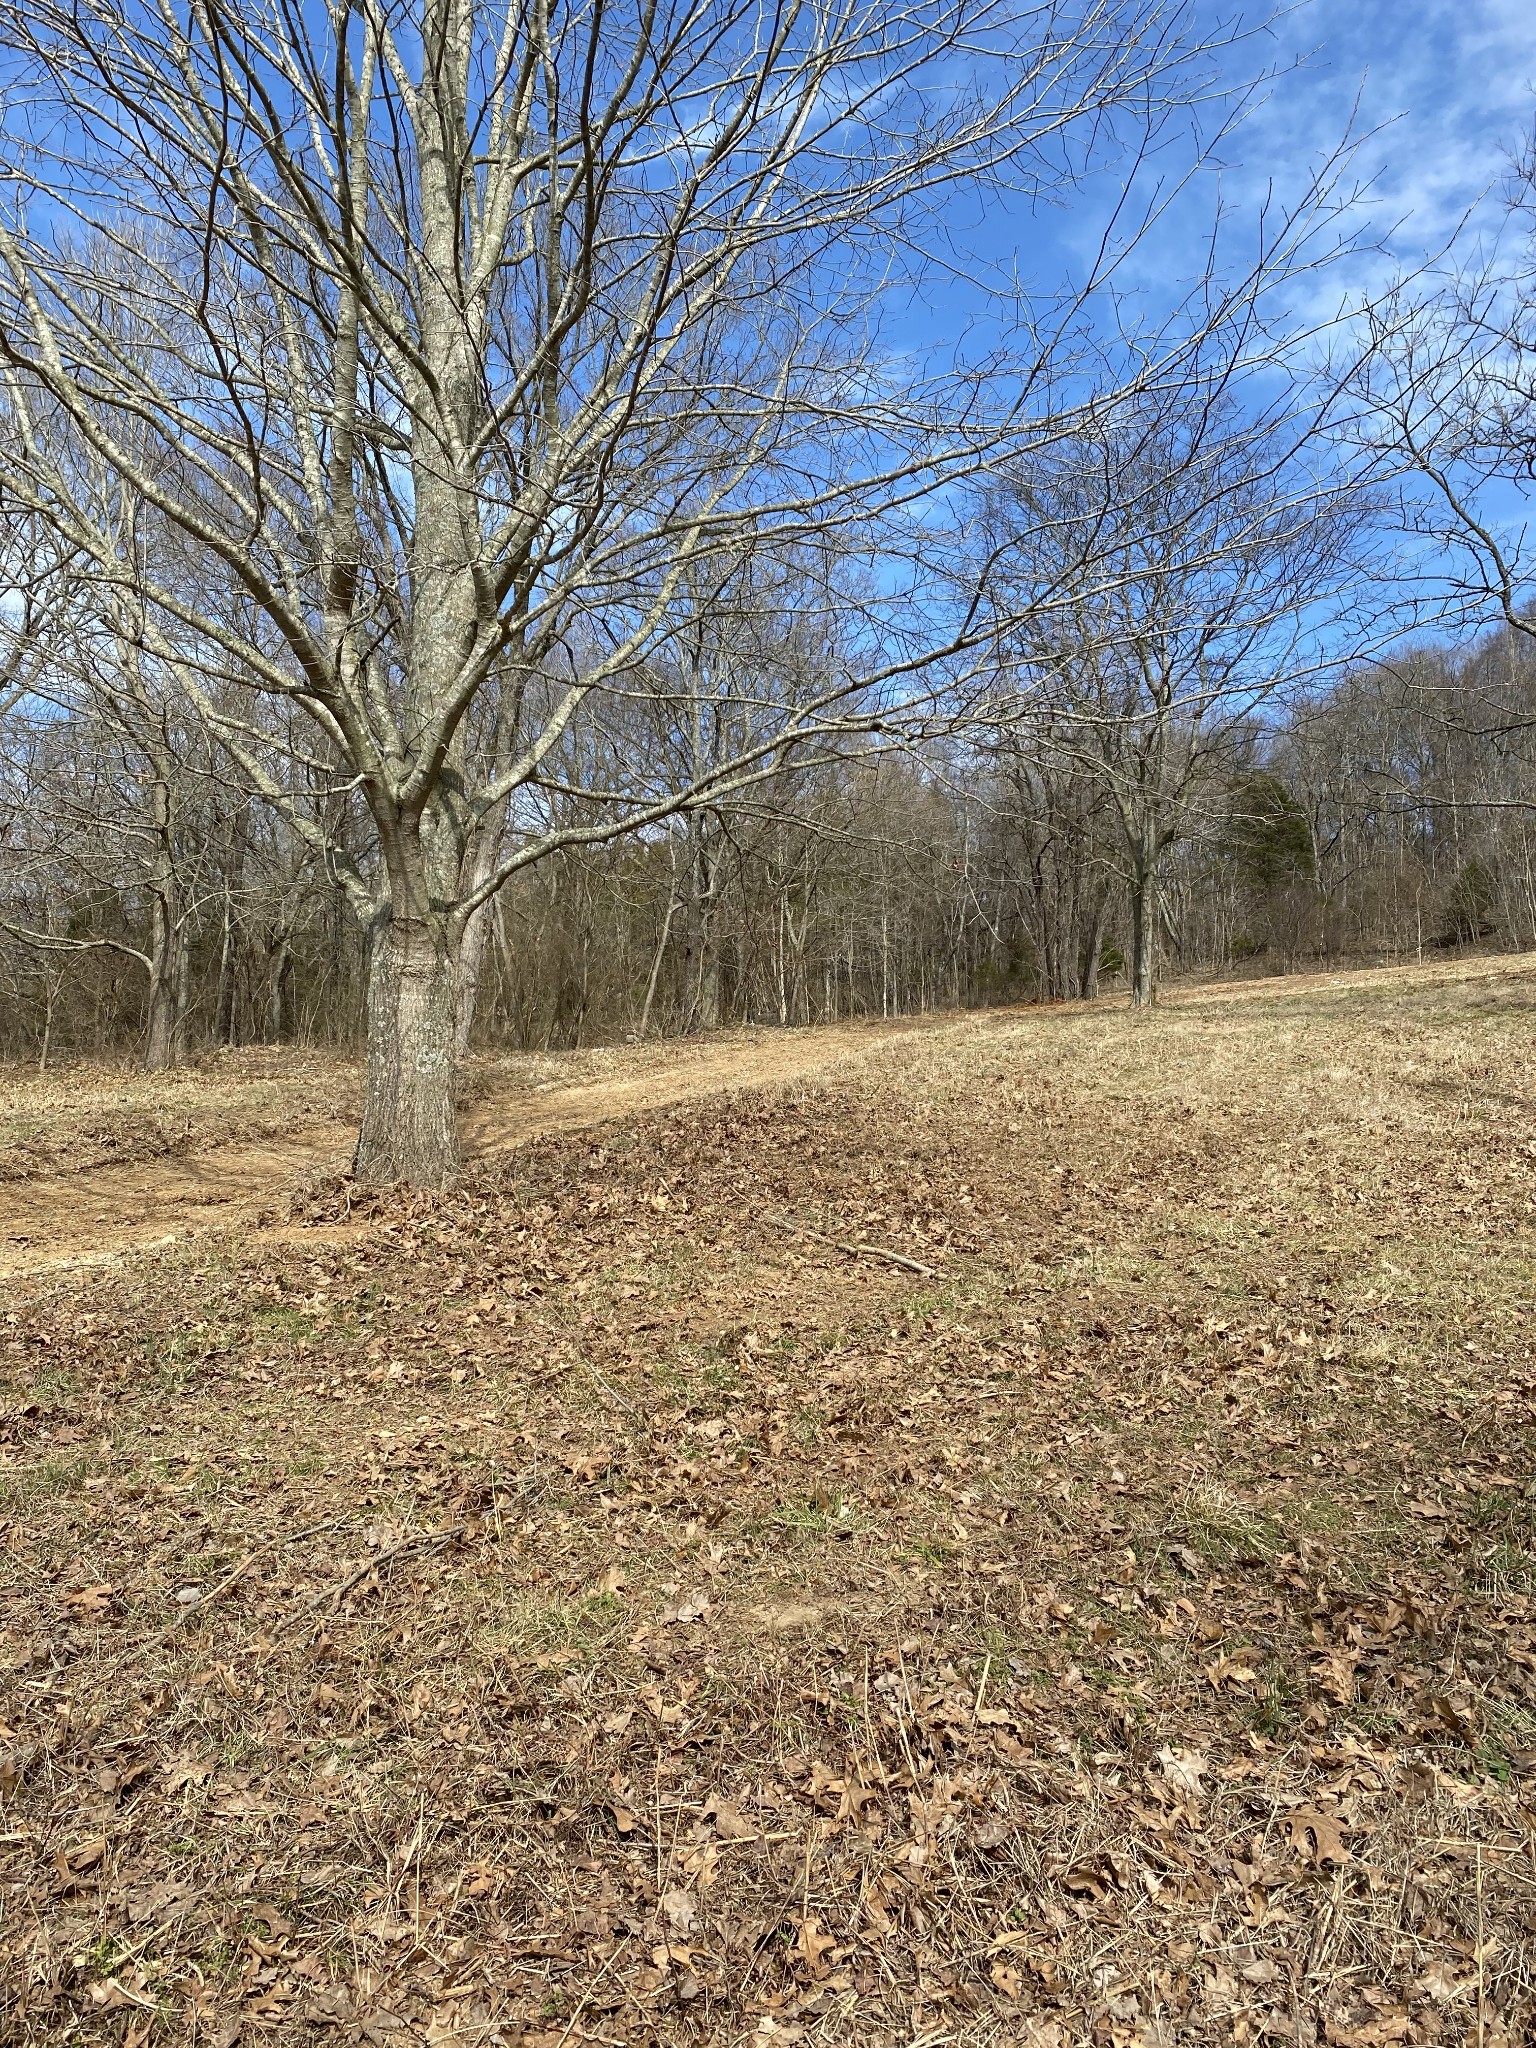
[96,1216]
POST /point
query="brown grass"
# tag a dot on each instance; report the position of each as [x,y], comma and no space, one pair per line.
[76,1118]
[626,1618]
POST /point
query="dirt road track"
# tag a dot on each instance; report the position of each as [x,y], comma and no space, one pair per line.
[95,1217]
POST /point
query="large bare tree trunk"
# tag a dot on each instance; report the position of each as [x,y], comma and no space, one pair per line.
[224,1005]
[160,1033]
[229,948]
[163,1046]
[471,967]
[656,960]
[409,1129]
[279,988]
[485,853]
[165,1035]
[701,955]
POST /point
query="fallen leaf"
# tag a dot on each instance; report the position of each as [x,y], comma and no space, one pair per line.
[730,1824]
[1183,1769]
[88,1601]
[814,1946]
[1316,1836]
[681,1909]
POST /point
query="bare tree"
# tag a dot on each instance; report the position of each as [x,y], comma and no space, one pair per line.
[1192,554]
[1448,387]
[461,330]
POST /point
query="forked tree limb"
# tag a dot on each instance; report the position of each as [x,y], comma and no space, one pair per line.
[232,1578]
[424,1544]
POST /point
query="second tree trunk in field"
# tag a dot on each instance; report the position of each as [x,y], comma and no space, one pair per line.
[1143,937]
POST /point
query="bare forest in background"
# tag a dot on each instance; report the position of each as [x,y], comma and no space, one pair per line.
[146,895]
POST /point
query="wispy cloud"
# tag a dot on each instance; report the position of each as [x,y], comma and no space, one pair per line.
[1441,91]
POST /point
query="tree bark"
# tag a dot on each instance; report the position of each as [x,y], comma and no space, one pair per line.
[485,852]
[163,1033]
[409,1130]
[224,1008]
[1093,946]
[163,1046]
[279,984]
[234,878]
[701,959]
[1143,936]
[471,966]
[656,960]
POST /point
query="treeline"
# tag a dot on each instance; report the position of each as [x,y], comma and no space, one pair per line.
[149,903]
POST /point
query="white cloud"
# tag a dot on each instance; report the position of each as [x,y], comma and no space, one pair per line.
[1444,92]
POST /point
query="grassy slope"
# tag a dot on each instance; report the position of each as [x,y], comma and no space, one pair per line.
[661,1626]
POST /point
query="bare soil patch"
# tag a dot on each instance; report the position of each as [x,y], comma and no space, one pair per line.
[596,1609]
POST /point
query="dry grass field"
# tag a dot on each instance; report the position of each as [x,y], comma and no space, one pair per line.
[604,1607]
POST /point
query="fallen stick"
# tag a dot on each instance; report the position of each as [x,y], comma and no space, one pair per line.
[195,1607]
[610,1390]
[336,1594]
[860,1251]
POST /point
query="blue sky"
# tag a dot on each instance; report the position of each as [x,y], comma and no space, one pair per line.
[1438,95]
[1446,85]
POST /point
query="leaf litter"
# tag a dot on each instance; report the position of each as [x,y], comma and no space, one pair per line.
[616,1615]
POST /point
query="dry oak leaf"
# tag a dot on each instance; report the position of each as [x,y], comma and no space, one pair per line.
[1449,1717]
[681,1909]
[1007,1979]
[731,1824]
[1441,1983]
[1183,1769]
[448,2023]
[814,1947]
[1238,1669]
[88,1600]
[112,1994]
[702,1864]
[1336,1674]
[1316,1836]
[1374,2034]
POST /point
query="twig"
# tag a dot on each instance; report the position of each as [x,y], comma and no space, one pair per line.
[1481,1947]
[339,1593]
[586,1996]
[203,1600]
[858,1251]
[611,1391]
